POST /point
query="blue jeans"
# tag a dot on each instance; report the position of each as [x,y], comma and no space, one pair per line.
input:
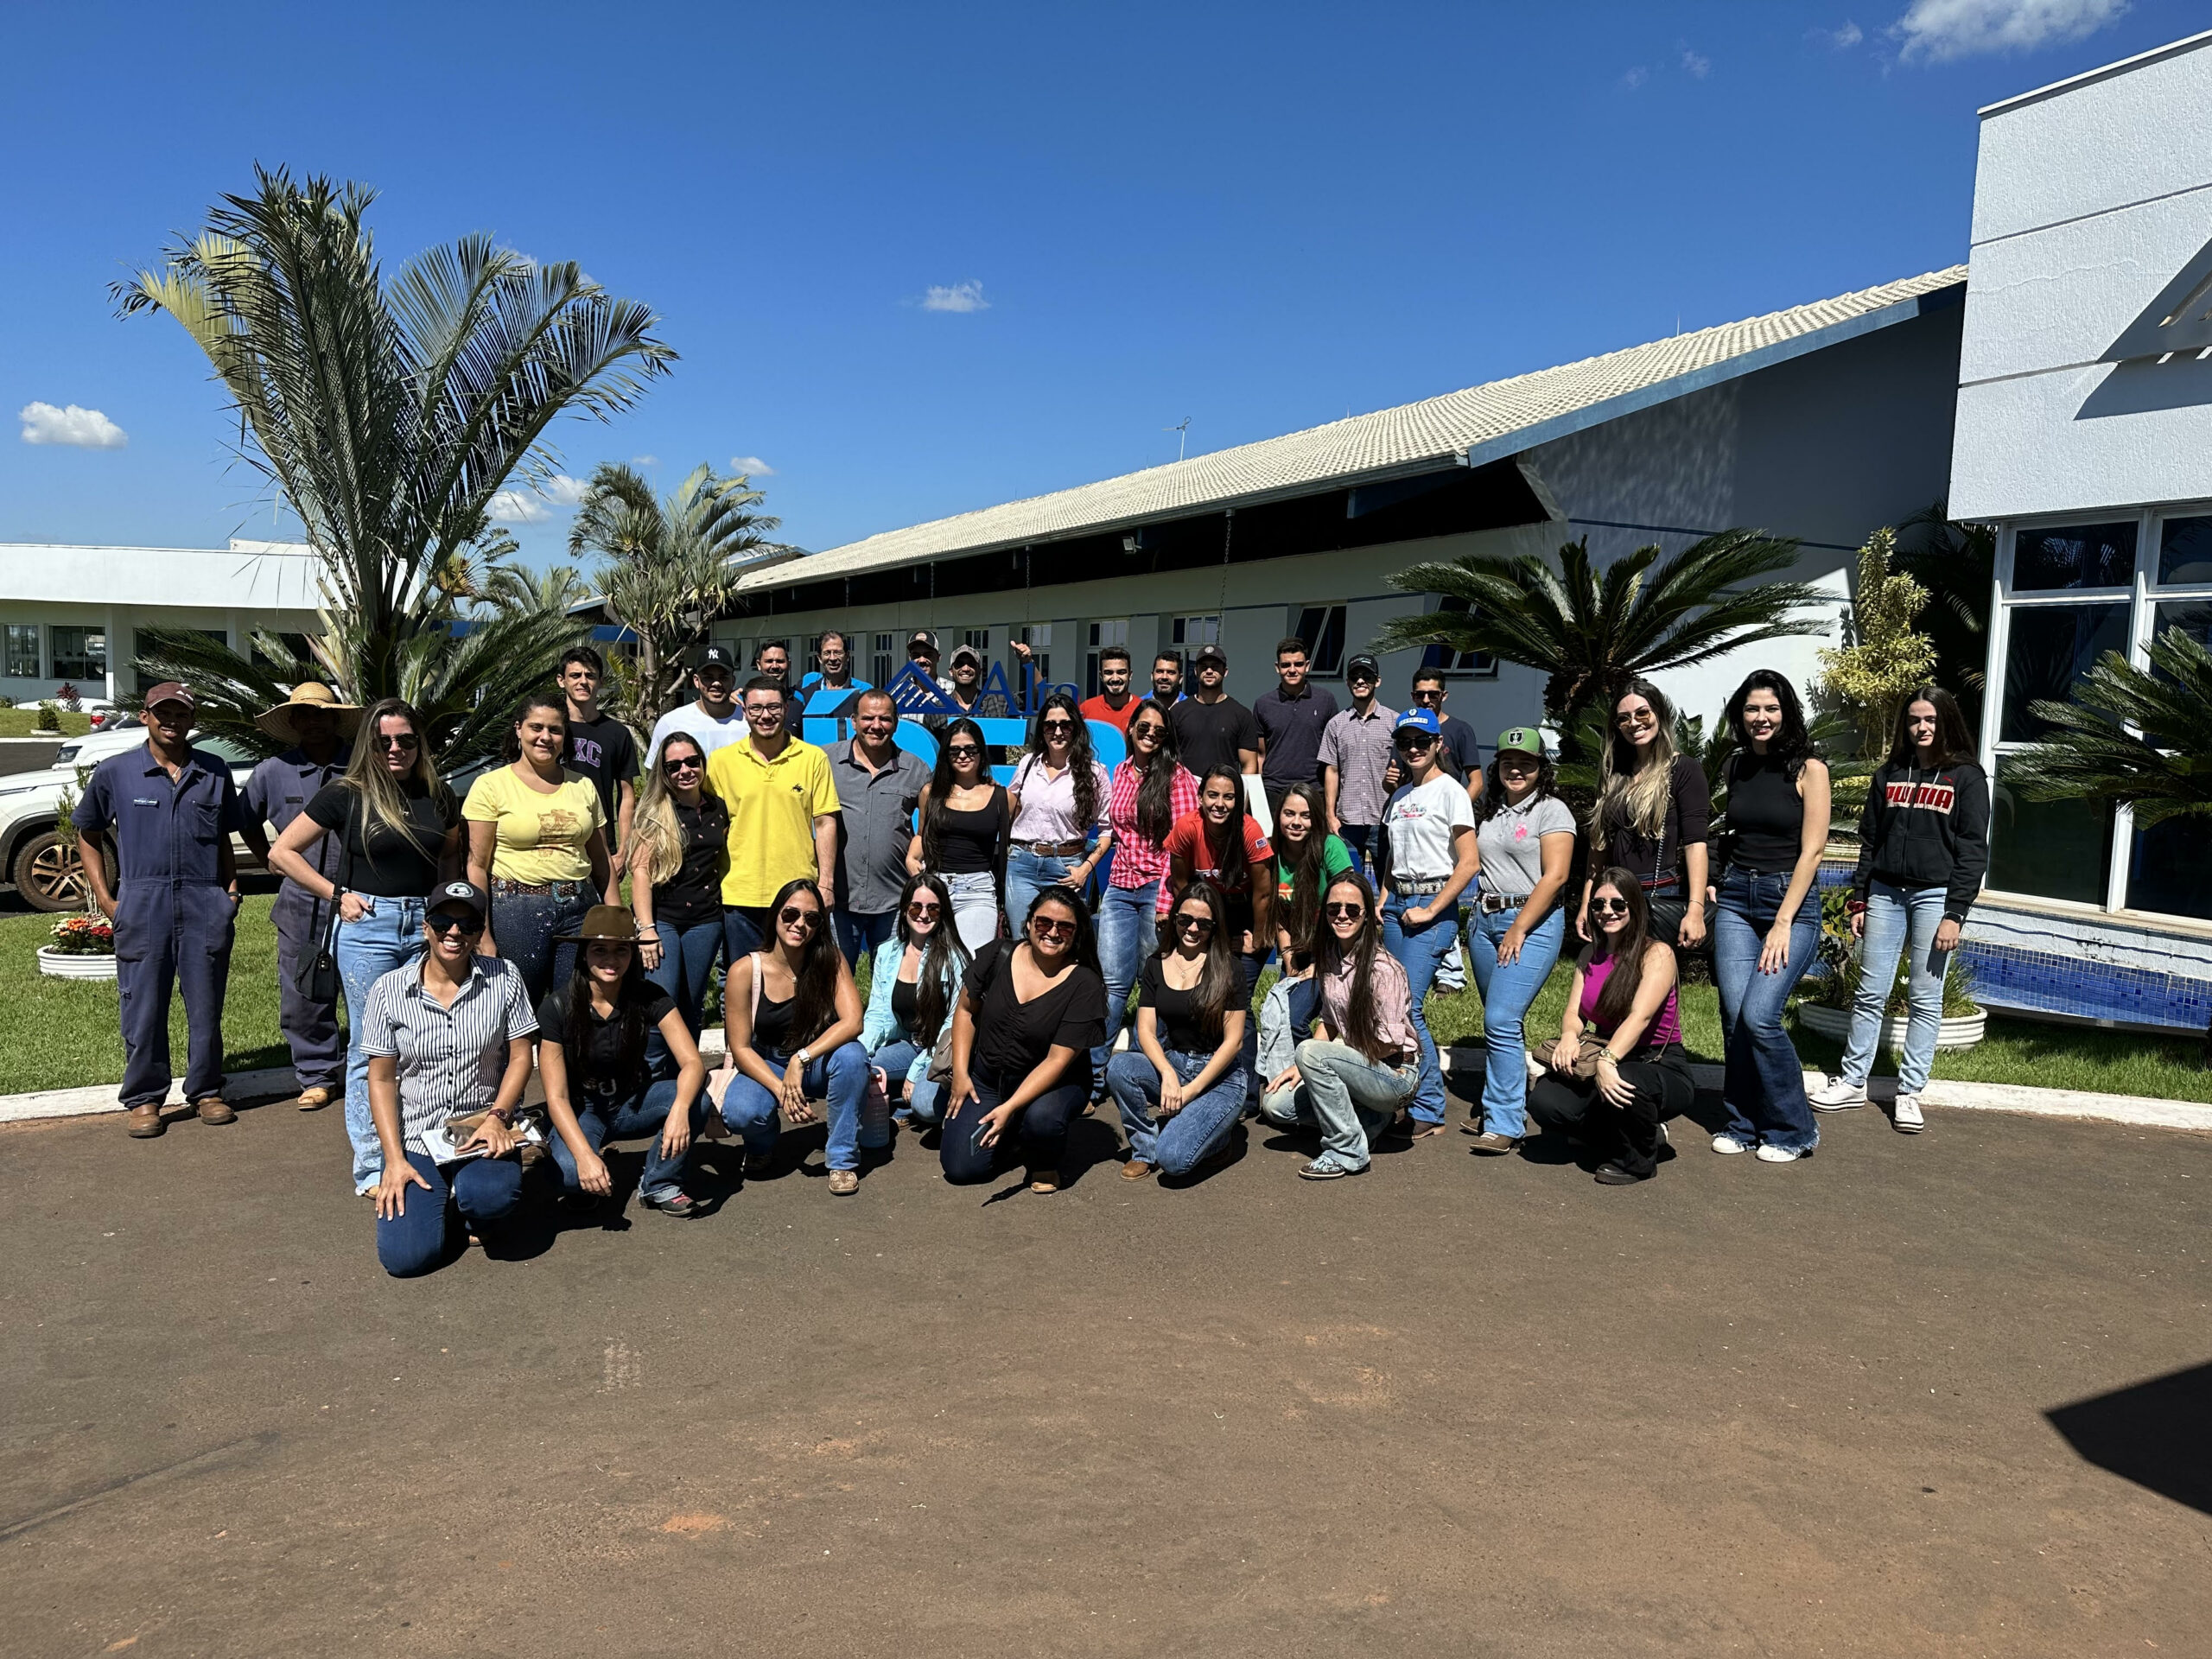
[861,936]
[1893,916]
[526,924]
[482,1192]
[840,1075]
[686,970]
[1351,1098]
[1358,839]
[389,937]
[1185,1141]
[1027,875]
[642,1113]
[1129,931]
[894,1060]
[975,895]
[1508,988]
[744,930]
[1039,1132]
[1764,1088]
[1420,951]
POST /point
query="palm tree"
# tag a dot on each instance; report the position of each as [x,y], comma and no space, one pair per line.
[669,567]
[1592,632]
[388,416]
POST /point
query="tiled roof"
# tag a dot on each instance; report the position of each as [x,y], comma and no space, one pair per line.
[1485,422]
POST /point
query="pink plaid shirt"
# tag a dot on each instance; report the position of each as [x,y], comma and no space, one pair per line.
[1138,860]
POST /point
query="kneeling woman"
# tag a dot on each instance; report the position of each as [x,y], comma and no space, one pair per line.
[910,1005]
[1031,1013]
[793,1016]
[1364,1063]
[446,1037]
[1621,1003]
[592,1054]
[1181,1089]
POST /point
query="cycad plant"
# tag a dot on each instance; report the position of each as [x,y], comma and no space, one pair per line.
[2140,736]
[388,415]
[1592,631]
[668,567]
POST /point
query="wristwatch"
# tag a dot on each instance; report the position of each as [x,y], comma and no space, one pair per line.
[804,1056]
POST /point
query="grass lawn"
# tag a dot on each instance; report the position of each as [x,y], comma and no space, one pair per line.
[23,722]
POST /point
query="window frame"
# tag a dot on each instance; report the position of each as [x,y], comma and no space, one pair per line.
[37,649]
[91,631]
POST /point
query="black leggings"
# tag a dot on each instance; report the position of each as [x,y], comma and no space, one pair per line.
[1041,1128]
[1628,1136]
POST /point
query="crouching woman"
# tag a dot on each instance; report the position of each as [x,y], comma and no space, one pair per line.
[592,1055]
[1617,1071]
[1181,1089]
[446,1036]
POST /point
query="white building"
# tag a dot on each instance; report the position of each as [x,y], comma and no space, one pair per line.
[2085,435]
[71,616]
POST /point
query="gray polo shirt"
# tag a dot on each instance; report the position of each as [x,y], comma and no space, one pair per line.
[450,1060]
[876,825]
[1359,747]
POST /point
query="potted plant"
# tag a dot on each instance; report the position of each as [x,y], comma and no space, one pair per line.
[83,948]
[1826,1005]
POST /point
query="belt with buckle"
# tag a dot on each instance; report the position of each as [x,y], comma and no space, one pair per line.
[500,884]
[1419,887]
[1492,903]
[1054,848]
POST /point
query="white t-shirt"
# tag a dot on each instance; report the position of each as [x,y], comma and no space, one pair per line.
[1420,821]
[696,722]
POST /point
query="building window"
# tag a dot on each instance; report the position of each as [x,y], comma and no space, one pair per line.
[1191,631]
[23,651]
[1322,628]
[1458,664]
[880,660]
[2047,651]
[79,653]
[296,644]
[979,637]
[2077,556]
[1112,631]
[1038,636]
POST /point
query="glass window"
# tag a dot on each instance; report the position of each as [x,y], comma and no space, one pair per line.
[2050,648]
[2074,556]
[1191,631]
[2050,850]
[2185,550]
[21,652]
[1322,628]
[880,660]
[2169,872]
[79,653]
[1470,663]
[1115,631]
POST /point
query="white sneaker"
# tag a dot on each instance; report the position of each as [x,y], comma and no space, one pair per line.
[1906,1118]
[1773,1155]
[1728,1146]
[1837,1095]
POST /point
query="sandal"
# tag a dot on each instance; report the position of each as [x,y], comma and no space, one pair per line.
[1045,1180]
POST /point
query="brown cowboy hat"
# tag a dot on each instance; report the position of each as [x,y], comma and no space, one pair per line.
[603,924]
[309,694]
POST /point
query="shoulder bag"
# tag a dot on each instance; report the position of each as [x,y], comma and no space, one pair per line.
[318,980]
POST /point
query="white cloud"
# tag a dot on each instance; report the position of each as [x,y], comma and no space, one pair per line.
[1939,31]
[960,296]
[563,491]
[1698,65]
[1635,76]
[1841,40]
[644,461]
[518,508]
[751,466]
[82,428]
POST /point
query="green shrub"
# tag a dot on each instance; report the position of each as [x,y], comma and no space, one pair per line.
[49,716]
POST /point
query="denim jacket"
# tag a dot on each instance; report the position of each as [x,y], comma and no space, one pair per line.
[880,1026]
[1286,1019]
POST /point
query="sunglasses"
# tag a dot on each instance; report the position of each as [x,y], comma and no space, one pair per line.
[691,764]
[1337,912]
[1050,929]
[963,751]
[1203,923]
[1636,717]
[1147,728]
[792,916]
[1414,741]
[1609,906]
[402,741]
[470,926]
[1059,726]
[923,912]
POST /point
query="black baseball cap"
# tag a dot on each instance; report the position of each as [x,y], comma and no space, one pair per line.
[460,893]
[715,656]
[1211,654]
[1363,664]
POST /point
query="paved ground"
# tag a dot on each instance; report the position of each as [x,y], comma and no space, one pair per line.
[1452,1407]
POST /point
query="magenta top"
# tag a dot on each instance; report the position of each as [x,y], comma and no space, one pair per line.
[1665,1029]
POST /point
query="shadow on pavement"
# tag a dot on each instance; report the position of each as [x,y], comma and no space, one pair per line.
[2152,1433]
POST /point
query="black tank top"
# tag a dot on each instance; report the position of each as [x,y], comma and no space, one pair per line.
[771,1023]
[968,843]
[1766,815]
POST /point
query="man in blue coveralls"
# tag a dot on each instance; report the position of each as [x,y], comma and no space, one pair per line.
[170,808]
[320,730]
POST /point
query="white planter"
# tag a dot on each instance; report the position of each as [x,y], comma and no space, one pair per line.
[1962,1032]
[68,964]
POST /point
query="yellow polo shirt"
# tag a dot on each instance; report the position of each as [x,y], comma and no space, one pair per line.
[772,807]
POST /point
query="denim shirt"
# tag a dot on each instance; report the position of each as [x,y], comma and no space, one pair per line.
[880,1026]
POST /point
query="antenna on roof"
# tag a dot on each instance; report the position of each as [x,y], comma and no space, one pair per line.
[1182,430]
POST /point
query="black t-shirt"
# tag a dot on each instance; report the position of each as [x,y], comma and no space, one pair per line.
[694,894]
[968,843]
[1462,754]
[380,861]
[605,751]
[1174,1012]
[1210,733]
[600,1071]
[1011,1037]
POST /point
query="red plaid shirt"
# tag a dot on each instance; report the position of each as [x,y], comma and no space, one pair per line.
[1137,859]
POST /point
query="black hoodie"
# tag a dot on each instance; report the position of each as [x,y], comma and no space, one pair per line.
[1926,827]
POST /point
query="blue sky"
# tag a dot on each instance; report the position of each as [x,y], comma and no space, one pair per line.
[921,259]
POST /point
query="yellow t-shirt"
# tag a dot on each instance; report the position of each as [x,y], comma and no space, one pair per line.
[772,807]
[541,836]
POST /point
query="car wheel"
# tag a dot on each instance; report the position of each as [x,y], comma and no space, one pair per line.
[49,874]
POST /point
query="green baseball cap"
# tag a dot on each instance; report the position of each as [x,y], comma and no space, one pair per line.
[1521,739]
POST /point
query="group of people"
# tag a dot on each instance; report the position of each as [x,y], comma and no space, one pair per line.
[569,915]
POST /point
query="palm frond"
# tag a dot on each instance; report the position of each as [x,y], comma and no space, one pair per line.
[2090,753]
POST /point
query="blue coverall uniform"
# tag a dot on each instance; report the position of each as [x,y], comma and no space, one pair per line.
[279,792]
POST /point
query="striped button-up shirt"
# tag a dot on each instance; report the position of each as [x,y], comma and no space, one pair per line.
[450,1059]
[1138,858]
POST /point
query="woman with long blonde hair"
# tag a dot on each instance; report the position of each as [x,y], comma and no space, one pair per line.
[679,849]
[1653,818]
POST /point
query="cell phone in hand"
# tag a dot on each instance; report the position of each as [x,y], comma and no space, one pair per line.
[975,1140]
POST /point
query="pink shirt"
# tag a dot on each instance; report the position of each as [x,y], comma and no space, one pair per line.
[1666,1029]
[1138,860]
[1393,997]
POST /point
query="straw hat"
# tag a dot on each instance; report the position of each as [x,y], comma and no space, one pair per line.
[309,694]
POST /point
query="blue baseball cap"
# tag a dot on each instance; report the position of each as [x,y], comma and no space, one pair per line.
[1419,720]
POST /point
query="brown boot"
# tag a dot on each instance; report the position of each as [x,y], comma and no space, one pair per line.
[143,1123]
[214,1109]
[315,1099]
